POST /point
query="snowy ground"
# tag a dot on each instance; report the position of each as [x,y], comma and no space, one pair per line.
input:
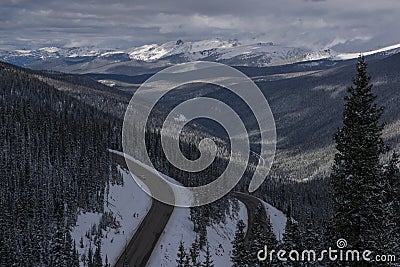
[124,202]
[220,236]
[277,219]
[180,227]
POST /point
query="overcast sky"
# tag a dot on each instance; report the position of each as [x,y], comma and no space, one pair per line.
[345,25]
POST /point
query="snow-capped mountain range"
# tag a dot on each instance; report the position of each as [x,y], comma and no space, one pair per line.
[232,52]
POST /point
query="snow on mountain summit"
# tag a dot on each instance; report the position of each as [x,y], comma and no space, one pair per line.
[230,52]
[51,49]
[220,50]
[190,50]
[389,50]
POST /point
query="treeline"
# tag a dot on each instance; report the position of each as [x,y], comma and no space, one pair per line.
[190,257]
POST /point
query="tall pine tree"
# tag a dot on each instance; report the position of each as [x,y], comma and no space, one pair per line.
[181,255]
[194,252]
[391,236]
[356,178]
[291,241]
[239,255]
[208,262]
[97,259]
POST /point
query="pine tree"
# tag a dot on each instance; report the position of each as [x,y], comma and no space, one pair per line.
[81,243]
[208,262]
[356,175]
[106,264]
[75,256]
[90,257]
[269,235]
[195,253]
[181,254]
[68,247]
[391,219]
[202,235]
[97,260]
[311,237]
[239,254]
[187,260]
[291,239]
[3,251]
[58,255]
[261,235]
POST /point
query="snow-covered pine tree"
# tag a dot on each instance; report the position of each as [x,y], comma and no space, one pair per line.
[81,243]
[208,262]
[239,254]
[58,257]
[75,256]
[3,251]
[187,260]
[97,259]
[195,253]
[311,238]
[106,264]
[90,257]
[391,234]
[68,247]
[291,240]
[356,175]
[270,238]
[181,255]
[261,235]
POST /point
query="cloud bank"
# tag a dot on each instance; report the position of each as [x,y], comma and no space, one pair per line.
[345,25]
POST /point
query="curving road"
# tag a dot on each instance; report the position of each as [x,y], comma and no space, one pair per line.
[138,250]
[251,203]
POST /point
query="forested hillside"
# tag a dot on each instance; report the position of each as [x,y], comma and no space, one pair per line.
[54,164]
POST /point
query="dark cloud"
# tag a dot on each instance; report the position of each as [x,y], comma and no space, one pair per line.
[343,24]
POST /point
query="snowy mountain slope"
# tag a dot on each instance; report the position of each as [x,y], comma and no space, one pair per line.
[23,57]
[220,236]
[180,227]
[48,52]
[129,204]
[232,52]
[189,50]
[277,219]
[387,51]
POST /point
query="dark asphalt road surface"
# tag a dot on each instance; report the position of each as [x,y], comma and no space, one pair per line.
[251,204]
[140,247]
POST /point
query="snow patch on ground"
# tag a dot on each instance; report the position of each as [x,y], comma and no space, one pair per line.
[277,219]
[110,83]
[124,202]
[180,227]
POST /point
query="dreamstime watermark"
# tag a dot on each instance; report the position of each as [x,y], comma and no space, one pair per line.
[331,254]
[150,93]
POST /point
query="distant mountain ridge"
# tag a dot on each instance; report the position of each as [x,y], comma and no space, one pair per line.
[231,52]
